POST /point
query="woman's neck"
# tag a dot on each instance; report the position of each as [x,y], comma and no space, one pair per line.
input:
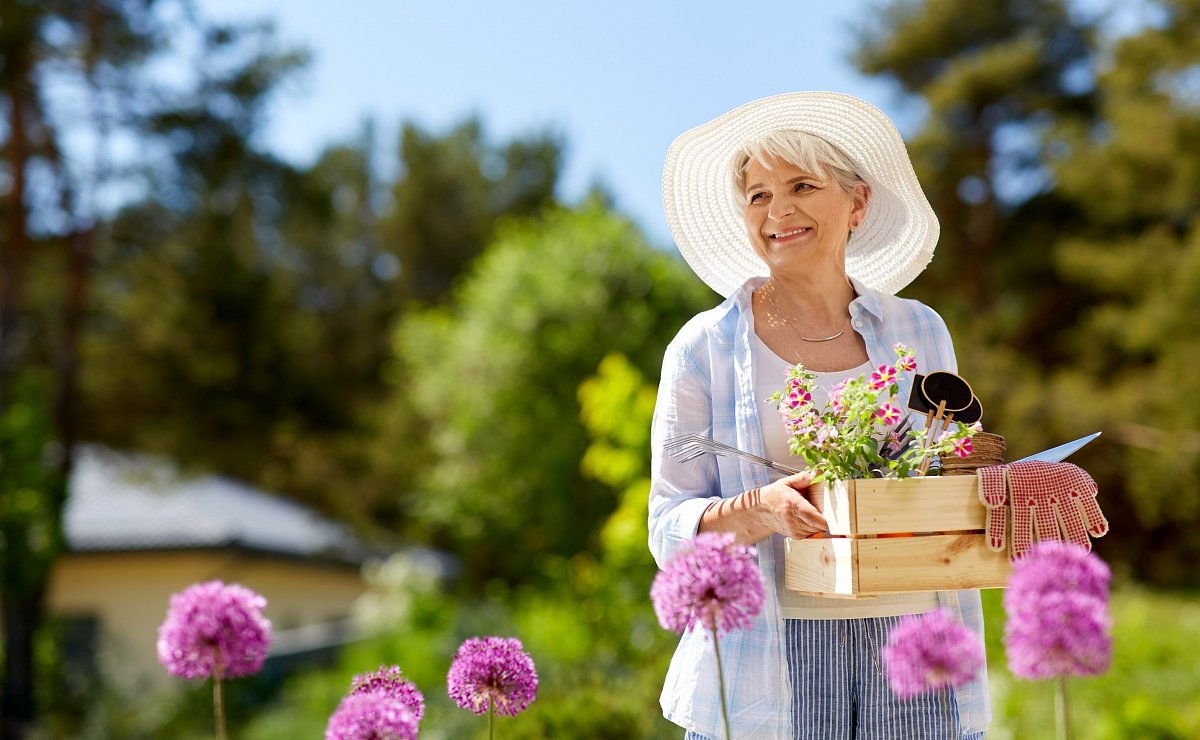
[814,295]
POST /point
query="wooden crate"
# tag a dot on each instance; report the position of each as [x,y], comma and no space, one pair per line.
[894,536]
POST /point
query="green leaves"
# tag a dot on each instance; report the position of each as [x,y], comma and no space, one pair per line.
[494,380]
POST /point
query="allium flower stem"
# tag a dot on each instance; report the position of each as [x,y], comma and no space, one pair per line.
[720,675]
[219,704]
[491,720]
[1064,709]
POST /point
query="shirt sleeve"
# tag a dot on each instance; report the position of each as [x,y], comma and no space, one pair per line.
[942,344]
[680,492]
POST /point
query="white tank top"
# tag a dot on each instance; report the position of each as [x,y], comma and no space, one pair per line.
[770,375]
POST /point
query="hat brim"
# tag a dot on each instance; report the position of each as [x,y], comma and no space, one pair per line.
[890,247]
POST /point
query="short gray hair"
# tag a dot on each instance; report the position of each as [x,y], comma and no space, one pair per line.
[806,151]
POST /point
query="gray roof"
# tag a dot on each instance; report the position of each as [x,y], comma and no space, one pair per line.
[122,501]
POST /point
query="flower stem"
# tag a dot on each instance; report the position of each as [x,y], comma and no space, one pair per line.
[219,705]
[721,680]
[1064,710]
[491,720]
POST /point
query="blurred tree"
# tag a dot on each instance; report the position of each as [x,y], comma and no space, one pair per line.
[274,290]
[493,378]
[450,194]
[64,67]
[188,346]
[993,76]
[1055,154]
[1135,173]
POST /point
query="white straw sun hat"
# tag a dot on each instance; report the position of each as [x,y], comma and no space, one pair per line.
[890,247]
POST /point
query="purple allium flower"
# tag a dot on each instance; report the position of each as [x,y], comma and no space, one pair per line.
[213,626]
[928,651]
[1058,621]
[713,579]
[493,671]
[1051,566]
[1067,636]
[390,681]
[371,716]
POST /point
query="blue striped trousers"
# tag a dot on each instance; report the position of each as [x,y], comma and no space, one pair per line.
[840,691]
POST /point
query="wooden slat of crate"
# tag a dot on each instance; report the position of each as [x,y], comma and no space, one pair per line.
[935,504]
[852,567]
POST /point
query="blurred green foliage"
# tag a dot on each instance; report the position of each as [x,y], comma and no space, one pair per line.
[493,377]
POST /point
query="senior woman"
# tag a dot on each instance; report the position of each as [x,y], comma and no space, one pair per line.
[804,210]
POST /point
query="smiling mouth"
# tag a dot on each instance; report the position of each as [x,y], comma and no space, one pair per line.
[779,235]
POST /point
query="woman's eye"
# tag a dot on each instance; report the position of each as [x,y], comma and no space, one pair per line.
[802,186]
[757,197]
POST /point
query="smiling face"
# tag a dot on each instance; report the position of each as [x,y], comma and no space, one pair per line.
[797,219]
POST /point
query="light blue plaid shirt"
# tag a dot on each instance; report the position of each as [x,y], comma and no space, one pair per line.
[707,388]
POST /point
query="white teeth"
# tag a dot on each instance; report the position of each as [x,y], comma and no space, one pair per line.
[792,232]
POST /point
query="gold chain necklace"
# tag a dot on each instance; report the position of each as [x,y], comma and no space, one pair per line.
[792,326]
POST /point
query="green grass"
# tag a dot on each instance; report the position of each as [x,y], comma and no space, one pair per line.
[1152,690]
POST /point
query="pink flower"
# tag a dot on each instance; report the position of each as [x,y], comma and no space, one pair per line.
[963,447]
[908,363]
[390,681]
[371,717]
[888,414]
[1057,604]
[882,378]
[826,435]
[798,397]
[714,583]
[213,627]
[901,348]
[928,651]
[492,673]
[1056,566]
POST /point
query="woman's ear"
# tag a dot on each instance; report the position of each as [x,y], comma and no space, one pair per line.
[862,201]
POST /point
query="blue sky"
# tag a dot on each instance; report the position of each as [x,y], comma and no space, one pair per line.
[617,80]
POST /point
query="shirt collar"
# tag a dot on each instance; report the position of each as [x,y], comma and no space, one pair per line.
[869,298]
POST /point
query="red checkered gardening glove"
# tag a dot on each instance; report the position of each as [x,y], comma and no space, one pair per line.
[993,492]
[1059,497]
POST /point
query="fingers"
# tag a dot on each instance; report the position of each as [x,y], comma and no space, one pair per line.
[1071,521]
[1022,535]
[1097,525]
[993,490]
[993,493]
[996,524]
[1046,519]
[793,514]
[800,481]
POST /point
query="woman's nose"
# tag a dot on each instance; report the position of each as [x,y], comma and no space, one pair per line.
[780,208]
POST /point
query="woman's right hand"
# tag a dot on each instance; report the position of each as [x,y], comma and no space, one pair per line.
[786,509]
[781,507]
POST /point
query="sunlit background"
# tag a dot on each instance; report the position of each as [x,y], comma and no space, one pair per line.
[362,305]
